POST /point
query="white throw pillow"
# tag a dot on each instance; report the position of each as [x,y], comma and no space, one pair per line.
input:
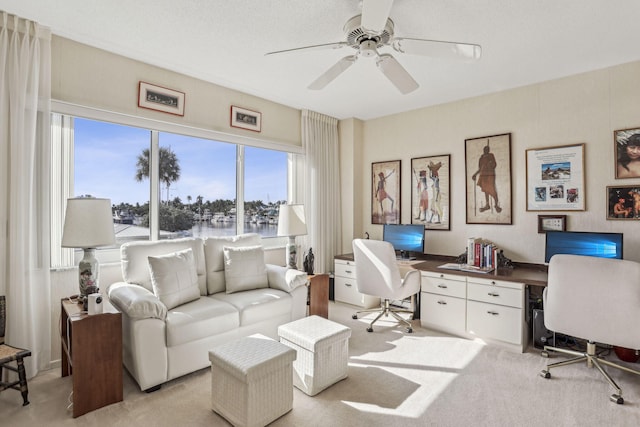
[174,278]
[244,268]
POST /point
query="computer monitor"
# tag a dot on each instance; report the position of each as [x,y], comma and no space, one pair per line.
[604,245]
[407,239]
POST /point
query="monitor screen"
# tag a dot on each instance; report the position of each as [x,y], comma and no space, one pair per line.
[405,238]
[604,245]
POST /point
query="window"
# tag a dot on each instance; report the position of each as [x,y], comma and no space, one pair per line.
[205,187]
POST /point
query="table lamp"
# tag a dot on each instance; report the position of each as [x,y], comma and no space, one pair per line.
[291,223]
[88,224]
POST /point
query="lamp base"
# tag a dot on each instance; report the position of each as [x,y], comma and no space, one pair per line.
[292,253]
[89,272]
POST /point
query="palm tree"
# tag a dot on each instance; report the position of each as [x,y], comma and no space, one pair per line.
[169,167]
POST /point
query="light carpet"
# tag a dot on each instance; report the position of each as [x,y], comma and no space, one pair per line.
[395,379]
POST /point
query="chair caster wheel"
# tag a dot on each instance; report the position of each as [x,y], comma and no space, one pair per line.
[369,329]
[544,353]
[545,374]
[617,399]
[409,330]
[355,317]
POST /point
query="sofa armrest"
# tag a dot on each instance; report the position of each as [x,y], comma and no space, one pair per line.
[136,301]
[285,279]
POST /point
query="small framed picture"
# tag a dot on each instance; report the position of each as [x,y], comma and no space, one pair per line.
[246,119]
[552,223]
[623,202]
[160,98]
[626,143]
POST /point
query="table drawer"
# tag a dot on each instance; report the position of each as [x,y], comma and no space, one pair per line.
[495,294]
[442,284]
[442,312]
[494,321]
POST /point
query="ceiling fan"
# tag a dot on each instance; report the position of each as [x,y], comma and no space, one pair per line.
[372,30]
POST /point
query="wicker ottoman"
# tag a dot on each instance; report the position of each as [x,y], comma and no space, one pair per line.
[251,380]
[323,352]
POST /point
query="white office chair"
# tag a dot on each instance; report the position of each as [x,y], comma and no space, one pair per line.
[597,299]
[377,274]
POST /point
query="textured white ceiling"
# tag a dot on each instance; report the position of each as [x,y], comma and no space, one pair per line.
[224,42]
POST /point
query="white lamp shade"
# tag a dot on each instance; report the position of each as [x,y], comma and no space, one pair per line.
[88,223]
[291,221]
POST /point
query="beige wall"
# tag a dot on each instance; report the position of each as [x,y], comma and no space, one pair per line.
[585,108]
[95,78]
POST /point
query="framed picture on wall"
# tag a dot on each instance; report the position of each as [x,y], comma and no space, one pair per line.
[430,191]
[626,143]
[623,202]
[488,179]
[555,178]
[160,98]
[246,119]
[552,223]
[385,192]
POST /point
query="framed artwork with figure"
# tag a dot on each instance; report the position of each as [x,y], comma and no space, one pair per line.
[488,179]
[626,143]
[385,192]
[430,191]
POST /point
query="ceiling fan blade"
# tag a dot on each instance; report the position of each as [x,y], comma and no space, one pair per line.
[338,68]
[336,45]
[396,73]
[375,14]
[438,49]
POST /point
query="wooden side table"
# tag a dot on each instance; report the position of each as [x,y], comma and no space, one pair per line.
[92,353]
[319,295]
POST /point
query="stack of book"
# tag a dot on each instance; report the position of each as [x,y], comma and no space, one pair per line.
[481,253]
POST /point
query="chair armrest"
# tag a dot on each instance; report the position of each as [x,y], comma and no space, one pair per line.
[285,279]
[136,301]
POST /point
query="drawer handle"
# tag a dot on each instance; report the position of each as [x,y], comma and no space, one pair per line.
[348,285]
[493,313]
[442,302]
[443,286]
[441,276]
[493,294]
[493,282]
[348,271]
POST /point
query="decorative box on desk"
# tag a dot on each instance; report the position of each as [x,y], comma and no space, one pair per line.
[92,353]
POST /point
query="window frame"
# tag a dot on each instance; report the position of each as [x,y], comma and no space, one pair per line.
[295,161]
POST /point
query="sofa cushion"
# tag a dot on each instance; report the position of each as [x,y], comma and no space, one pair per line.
[135,266]
[244,268]
[258,305]
[174,278]
[214,256]
[202,318]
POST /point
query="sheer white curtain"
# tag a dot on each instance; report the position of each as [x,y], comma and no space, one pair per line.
[25,98]
[322,187]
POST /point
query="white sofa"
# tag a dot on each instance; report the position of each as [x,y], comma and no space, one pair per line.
[165,337]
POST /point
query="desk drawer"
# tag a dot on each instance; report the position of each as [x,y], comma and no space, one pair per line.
[494,321]
[345,290]
[345,269]
[443,284]
[442,312]
[495,294]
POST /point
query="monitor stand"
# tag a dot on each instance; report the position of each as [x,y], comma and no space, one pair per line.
[405,256]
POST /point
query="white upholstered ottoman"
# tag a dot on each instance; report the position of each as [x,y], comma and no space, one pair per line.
[251,380]
[323,352]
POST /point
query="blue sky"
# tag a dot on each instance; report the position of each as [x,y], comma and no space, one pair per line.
[105,166]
